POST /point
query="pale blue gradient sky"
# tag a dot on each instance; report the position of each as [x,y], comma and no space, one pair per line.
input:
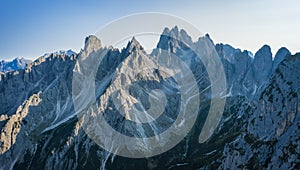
[30,28]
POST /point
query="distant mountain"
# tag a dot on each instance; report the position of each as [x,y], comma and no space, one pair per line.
[61,52]
[15,64]
[259,129]
[20,63]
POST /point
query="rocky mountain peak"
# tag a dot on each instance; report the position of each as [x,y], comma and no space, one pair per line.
[92,43]
[173,37]
[134,45]
[226,51]
[283,51]
[207,36]
[279,56]
[262,64]
[264,52]
[263,58]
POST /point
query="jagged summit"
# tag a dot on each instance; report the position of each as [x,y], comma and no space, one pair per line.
[92,43]
[133,45]
[227,51]
[279,57]
[207,37]
[175,37]
[265,50]
[283,51]
[263,55]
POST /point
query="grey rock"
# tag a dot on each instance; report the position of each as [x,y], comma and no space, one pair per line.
[279,56]
[259,128]
[262,64]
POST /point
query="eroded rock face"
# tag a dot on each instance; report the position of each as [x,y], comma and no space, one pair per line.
[259,128]
[12,125]
[270,137]
[262,64]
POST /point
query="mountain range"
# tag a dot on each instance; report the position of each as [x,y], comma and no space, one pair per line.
[16,64]
[259,128]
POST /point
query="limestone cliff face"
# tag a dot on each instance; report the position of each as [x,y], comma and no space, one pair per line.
[270,136]
[247,75]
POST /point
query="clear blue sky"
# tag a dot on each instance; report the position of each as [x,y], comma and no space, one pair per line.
[30,28]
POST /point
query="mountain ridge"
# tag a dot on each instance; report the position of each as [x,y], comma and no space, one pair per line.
[250,134]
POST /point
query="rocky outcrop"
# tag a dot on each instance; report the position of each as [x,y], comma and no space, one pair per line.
[262,65]
[12,125]
[280,56]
